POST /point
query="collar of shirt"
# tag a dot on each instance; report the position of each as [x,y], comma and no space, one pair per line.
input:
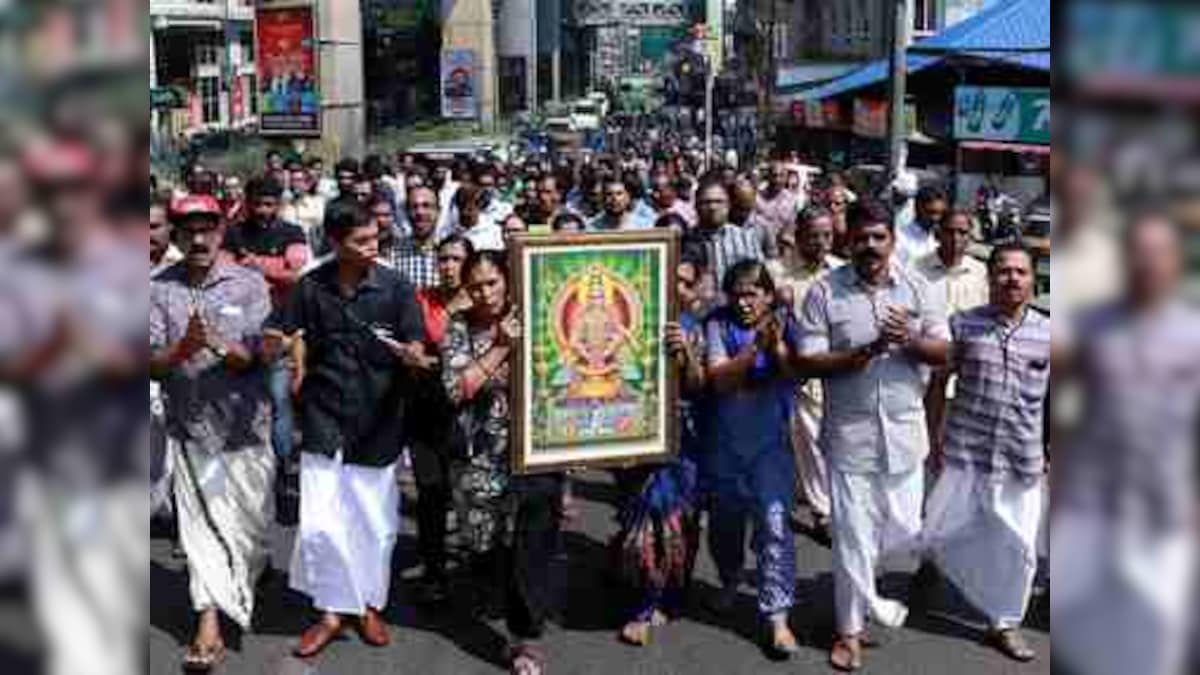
[895,272]
[327,275]
[935,263]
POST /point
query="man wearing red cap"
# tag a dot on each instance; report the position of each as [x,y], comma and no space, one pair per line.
[206,317]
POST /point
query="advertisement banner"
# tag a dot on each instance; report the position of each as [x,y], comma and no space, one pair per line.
[289,96]
[459,84]
[871,117]
[1007,114]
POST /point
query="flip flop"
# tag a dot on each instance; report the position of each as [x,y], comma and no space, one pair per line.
[636,634]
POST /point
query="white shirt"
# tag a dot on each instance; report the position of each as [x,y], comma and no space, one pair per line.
[914,242]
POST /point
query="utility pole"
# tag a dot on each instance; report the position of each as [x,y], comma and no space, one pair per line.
[897,126]
[710,80]
[533,56]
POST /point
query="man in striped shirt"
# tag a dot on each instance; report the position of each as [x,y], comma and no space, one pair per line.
[726,244]
[983,514]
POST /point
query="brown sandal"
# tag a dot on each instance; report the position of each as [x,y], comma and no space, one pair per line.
[846,654]
[1012,644]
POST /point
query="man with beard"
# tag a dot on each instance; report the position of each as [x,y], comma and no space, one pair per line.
[206,317]
[279,250]
[983,515]
[415,255]
[872,330]
[918,238]
[665,198]
[621,210]
[726,244]
[361,330]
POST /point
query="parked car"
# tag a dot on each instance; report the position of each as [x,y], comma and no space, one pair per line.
[586,115]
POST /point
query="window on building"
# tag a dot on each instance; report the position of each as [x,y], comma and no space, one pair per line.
[925,17]
[862,23]
[246,40]
[781,42]
[207,54]
[209,89]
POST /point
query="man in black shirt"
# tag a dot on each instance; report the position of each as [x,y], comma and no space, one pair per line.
[278,250]
[354,328]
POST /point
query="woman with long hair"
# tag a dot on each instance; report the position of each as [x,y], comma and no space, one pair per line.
[511,520]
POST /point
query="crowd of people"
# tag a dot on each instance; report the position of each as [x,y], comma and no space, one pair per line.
[844,371]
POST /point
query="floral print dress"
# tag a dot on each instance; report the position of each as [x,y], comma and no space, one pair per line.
[484,504]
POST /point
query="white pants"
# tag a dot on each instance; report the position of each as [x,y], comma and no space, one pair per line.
[874,516]
[812,476]
[981,532]
[1123,595]
[349,521]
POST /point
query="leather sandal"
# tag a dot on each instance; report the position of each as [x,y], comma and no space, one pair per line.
[372,629]
[1012,644]
[846,654]
[316,639]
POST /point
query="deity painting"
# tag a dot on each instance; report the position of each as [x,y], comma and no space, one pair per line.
[596,381]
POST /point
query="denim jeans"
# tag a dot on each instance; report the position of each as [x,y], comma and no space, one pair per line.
[279,383]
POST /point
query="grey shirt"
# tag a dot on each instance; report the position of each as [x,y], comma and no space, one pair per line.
[1133,456]
[874,418]
[208,405]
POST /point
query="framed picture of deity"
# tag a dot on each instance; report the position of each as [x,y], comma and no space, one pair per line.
[592,382]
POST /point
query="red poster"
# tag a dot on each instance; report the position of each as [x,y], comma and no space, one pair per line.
[239,99]
[289,95]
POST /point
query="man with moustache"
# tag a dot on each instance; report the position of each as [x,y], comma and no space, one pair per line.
[206,318]
[872,330]
[415,255]
[983,515]
[360,331]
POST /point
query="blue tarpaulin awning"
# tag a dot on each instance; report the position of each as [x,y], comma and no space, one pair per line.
[1013,32]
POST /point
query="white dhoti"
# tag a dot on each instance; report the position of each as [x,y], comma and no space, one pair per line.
[812,476]
[226,505]
[874,516]
[981,532]
[349,522]
[1123,595]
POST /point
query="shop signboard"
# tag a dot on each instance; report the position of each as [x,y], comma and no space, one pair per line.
[871,118]
[1006,114]
[289,95]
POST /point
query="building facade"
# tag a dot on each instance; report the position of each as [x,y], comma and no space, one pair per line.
[202,70]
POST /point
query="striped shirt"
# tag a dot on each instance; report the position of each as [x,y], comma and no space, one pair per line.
[995,421]
[729,245]
[1133,456]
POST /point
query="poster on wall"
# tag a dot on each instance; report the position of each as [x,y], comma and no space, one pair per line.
[459,85]
[289,95]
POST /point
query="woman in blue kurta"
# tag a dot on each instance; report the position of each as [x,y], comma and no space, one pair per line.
[751,346]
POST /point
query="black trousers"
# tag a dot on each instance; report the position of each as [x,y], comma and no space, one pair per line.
[532,583]
[431,471]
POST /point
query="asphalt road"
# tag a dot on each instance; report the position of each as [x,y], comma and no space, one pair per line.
[457,640]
